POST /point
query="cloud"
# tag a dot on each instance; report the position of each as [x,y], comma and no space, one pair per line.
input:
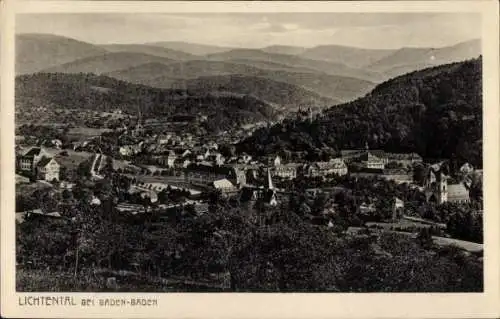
[270,27]
[377,30]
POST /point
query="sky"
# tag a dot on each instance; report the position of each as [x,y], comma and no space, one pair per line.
[256,30]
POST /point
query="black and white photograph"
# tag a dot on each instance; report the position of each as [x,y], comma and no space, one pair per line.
[248,152]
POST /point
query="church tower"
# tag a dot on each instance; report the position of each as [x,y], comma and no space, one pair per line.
[269,183]
[139,129]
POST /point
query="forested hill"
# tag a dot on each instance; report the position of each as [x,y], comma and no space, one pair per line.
[436,112]
[101,93]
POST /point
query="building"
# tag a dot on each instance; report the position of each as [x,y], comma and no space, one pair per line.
[48,169]
[224,185]
[375,158]
[397,208]
[207,174]
[288,171]
[171,159]
[404,159]
[215,158]
[458,193]
[398,175]
[272,160]
[371,161]
[129,150]
[466,169]
[436,184]
[334,166]
[27,162]
[266,194]
[245,158]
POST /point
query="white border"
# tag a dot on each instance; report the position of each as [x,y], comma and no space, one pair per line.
[233,305]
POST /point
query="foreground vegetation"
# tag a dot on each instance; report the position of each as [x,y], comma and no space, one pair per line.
[233,247]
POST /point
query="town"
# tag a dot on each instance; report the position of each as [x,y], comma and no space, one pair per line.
[156,175]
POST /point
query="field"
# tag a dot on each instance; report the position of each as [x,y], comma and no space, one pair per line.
[83,133]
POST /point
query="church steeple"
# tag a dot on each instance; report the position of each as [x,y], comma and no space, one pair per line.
[269,180]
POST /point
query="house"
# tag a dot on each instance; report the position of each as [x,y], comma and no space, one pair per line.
[48,169]
[151,195]
[57,143]
[466,169]
[163,139]
[215,158]
[286,171]
[138,130]
[334,166]
[66,185]
[19,139]
[371,161]
[129,150]
[95,201]
[404,159]
[185,163]
[223,185]
[28,161]
[171,159]
[245,158]
[212,145]
[201,208]
[397,208]
[458,193]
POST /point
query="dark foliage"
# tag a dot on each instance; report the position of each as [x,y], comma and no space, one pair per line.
[436,112]
[92,92]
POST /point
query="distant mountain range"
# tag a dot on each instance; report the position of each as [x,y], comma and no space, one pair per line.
[323,75]
[108,62]
[353,57]
[150,50]
[191,48]
[35,52]
[410,59]
[336,88]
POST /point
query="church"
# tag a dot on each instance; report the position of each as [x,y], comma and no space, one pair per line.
[437,190]
[265,194]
